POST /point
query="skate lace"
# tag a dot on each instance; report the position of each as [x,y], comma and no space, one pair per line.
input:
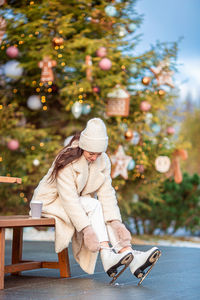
[110,248]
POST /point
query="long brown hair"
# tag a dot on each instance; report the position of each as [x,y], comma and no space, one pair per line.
[66,156]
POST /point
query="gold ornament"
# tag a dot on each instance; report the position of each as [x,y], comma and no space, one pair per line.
[146,80]
[128,135]
[161,92]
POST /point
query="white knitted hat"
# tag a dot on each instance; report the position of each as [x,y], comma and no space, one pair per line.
[94,137]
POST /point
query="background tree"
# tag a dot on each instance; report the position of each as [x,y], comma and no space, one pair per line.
[190,131]
[64,62]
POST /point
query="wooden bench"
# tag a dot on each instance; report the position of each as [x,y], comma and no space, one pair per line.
[18,222]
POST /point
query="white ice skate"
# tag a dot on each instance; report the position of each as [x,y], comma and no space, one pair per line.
[112,261]
[143,260]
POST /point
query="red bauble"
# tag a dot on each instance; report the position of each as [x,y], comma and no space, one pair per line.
[101,52]
[145,106]
[12,52]
[13,145]
[170,130]
[105,64]
[96,89]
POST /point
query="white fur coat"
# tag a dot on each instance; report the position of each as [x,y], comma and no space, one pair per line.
[61,201]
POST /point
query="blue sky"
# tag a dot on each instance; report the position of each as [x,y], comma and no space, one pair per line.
[167,21]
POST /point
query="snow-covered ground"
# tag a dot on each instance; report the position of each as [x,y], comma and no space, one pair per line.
[32,234]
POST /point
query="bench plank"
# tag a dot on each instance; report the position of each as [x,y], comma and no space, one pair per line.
[25,221]
[24,266]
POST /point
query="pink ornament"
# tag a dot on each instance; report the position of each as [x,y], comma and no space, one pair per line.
[170,130]
[96,89]
[13,145]
[145,106]
[105,64]
[101,52]
[12,52]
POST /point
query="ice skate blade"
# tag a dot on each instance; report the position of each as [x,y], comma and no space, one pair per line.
[139,273]
[127,260]
[149,270]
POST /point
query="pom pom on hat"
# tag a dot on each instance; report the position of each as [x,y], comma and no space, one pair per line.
[94,137]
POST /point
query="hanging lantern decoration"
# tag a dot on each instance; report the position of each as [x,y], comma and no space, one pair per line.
[2,28]
[170,130]
[12,51]
[146,80]
[13,70]
[101,52]
[118,102]
[128,135]
[46,65]
[88,63]
[76,109]
[105,64]
[57,41]
[162,164]
[34,102]
[86,109]
[13,145]
[145,106]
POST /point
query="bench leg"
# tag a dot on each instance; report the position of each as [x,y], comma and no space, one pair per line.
[2,257]
[63,259]
[17,246]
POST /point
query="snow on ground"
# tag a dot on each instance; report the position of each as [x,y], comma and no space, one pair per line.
[32,234]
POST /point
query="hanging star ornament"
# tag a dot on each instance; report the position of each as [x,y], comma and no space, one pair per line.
[120,163]
[163,74]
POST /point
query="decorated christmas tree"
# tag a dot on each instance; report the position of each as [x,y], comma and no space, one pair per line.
[64,62]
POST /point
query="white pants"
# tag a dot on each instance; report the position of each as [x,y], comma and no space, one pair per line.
[94,211]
